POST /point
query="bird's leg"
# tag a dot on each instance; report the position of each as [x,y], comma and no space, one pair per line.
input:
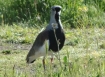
[44,63]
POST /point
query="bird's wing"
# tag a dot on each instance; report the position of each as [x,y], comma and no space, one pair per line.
[40,39]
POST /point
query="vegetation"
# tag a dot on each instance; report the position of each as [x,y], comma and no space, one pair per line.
[76,13]
[83,54]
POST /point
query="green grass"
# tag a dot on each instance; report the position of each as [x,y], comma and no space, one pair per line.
[16,34]
[82,56]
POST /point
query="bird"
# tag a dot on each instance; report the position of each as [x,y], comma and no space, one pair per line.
[49,40]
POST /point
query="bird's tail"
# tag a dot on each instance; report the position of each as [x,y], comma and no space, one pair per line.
[30,57]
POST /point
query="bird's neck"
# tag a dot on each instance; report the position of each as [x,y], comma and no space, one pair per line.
[55,21]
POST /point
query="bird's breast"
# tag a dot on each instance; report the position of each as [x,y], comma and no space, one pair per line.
[56,40]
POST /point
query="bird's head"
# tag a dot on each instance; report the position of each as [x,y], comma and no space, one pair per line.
[55,17]
[55,12]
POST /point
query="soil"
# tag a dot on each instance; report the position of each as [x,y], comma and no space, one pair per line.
[14,46]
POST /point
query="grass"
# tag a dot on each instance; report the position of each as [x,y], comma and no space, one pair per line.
[16,34]
[82,56]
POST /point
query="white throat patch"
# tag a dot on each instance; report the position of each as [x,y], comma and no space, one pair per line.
[54,25]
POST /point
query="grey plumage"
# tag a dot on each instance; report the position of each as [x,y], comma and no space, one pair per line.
[37,44]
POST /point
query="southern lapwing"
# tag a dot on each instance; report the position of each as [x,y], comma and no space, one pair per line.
[50,39]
